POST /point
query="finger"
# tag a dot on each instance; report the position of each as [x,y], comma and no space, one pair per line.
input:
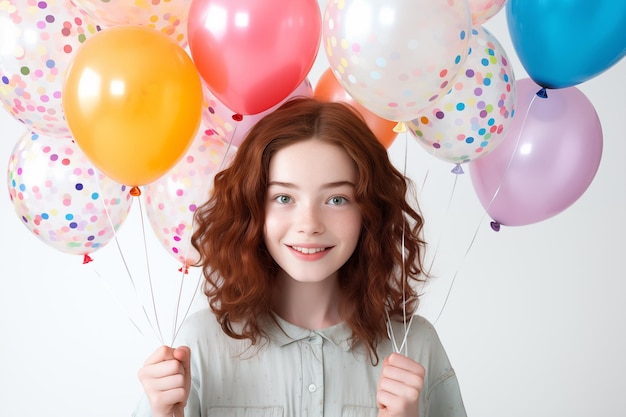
[409,378]
[400,361]
[161,369]
[163,353]
[179,411]
[167,383]
[183,354]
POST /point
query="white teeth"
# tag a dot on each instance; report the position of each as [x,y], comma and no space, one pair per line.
[308,251]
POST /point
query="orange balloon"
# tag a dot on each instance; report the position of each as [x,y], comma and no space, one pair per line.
[132,99]
[329,89]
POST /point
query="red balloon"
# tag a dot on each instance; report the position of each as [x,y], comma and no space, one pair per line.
[253,54]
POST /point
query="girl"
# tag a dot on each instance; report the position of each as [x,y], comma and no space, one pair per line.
[310,251]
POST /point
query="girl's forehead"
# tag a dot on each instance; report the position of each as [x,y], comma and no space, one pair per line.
[315,158]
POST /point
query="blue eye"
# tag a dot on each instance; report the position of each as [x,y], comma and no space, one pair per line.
[283,199]
[337,200]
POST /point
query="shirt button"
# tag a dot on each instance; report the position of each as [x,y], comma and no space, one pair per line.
[312,388]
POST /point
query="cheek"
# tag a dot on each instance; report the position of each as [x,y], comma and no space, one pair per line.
[350,225]
[273,225]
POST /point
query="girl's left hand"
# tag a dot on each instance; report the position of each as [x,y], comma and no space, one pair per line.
[399,387]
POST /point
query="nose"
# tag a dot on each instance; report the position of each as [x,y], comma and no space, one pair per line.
[310,219]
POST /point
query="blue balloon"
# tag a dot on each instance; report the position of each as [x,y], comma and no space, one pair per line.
[562,43]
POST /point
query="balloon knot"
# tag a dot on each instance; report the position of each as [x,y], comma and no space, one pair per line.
[543,93]
[458,169]
[135,191]
[237,117]
[184,269]
[401,127]
[86,259]
[495,226]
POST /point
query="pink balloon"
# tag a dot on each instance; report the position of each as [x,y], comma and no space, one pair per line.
[547,160]
[253,54]
[219,118]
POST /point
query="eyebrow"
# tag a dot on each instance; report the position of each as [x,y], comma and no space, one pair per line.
[334,184]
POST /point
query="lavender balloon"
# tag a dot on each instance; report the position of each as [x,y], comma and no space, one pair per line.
[547,160]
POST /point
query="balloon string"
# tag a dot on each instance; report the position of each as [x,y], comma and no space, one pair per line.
[471,244]
[188,308]
[406,326]
[177,326]
[495,226]
[430,162]
[452,193]
[117,301]
[404,277]
[458,268]
[404,346]
[119,249]
[145,247]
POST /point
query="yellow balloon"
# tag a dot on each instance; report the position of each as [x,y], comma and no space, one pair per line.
[132,99]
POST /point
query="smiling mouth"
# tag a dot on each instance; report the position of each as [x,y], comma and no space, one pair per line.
[308,251]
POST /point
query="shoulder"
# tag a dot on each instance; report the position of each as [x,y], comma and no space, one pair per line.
[416,329]
[419,340]
[200,325]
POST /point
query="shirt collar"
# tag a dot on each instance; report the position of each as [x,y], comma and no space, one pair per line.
[283,333]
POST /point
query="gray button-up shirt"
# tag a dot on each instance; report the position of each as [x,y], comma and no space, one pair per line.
[308,373]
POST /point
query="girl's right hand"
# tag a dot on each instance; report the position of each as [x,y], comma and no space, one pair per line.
[166,379]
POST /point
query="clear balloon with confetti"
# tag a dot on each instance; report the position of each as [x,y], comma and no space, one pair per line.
[472,118]
[172,200]
[38,39]
[61,198]
[396,57]
[166,16]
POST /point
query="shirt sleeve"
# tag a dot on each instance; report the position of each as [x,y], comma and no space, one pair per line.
[444,398]
[442,394]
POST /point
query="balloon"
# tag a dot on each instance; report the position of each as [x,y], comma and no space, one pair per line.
[220,118]
[483,10]
[329,89]
[61,198]
[472,118]
[564,43]
[173,198]
[38,40]
[547,160]
[399,56]
[133,101]
[252,54]
[166,16]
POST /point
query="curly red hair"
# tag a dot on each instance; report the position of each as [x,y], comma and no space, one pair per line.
[240,273]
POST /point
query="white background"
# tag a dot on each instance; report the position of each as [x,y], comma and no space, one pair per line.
[534,324]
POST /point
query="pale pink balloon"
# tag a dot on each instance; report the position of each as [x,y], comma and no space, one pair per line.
[547,160]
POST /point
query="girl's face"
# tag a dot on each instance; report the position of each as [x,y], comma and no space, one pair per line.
[312,223]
